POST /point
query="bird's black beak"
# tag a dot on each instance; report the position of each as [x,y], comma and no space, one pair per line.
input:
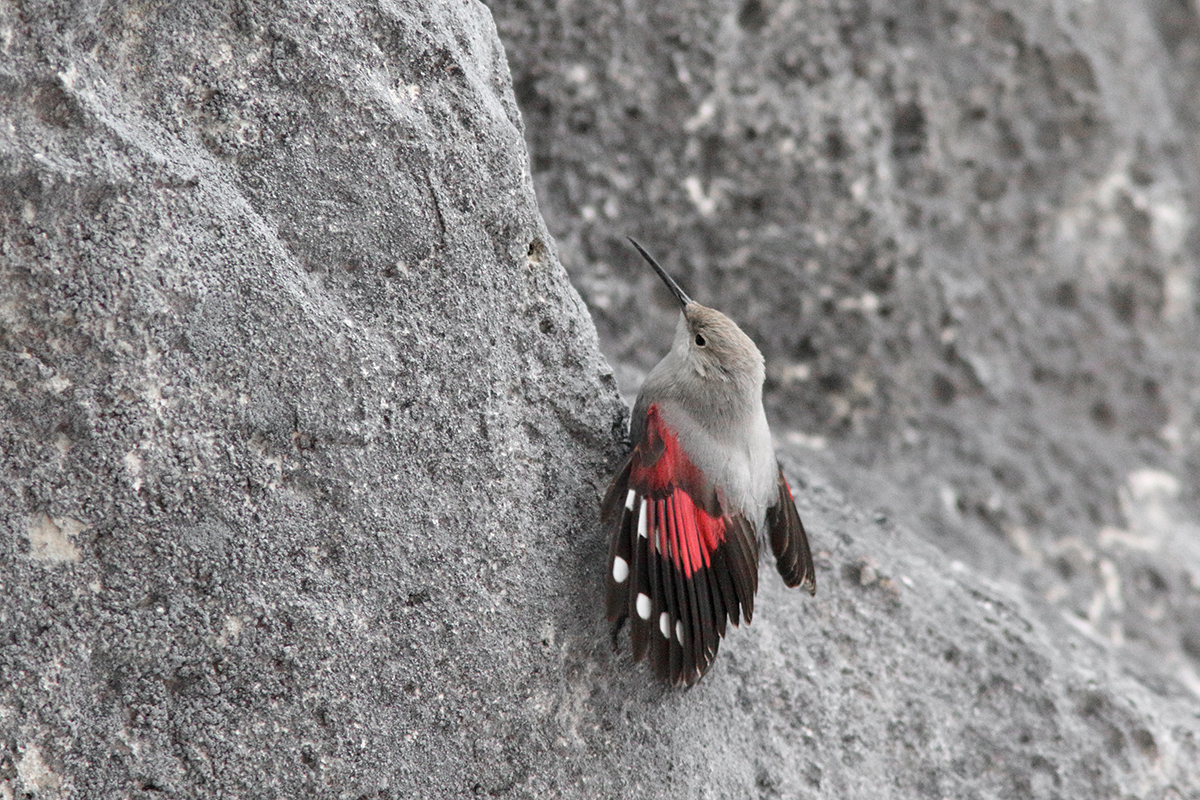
[667,279]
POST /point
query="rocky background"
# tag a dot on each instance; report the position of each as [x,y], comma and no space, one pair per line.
[303,428]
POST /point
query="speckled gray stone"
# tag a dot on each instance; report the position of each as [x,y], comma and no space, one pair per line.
[303,429]
[963,236]
[300,414]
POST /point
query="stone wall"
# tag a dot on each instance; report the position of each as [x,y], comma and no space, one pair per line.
[303,429]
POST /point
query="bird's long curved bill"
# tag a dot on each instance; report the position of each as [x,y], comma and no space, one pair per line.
[667,279]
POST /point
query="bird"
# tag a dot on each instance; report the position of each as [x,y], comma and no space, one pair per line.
[699,493]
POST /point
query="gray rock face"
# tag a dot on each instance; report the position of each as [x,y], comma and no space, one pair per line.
[300,415]
[962,235]
[303,429]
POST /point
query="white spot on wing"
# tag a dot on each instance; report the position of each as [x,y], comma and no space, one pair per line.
[643,606]
[629,498]
[642,520]
[620,569]
[679,631]
[664,624]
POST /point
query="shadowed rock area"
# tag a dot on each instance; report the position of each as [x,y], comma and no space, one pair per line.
[303,429]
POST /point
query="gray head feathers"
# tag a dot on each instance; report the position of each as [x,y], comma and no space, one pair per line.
[712,362]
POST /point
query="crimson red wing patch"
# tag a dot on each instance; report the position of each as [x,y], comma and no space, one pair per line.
[679,568]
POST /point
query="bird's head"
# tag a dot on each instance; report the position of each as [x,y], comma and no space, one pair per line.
[709,344]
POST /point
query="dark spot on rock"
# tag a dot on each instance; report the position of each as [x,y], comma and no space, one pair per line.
[944,390]
[1042,764]
[1076,68]
[1092,703]
[1064,568]
[891,27]
[55,107]
[766,782]
[831,382]
[530,96]
[1144,740]
[752,16]
[1102,414]
[1137,221]
[1140,174]
[537,251]
[989,185]
[1009,476]
[1151,581]
[1049,135]
[975,113]
[1082,126]
[753,204]
[1123,301]
[1003,25]
[792,64]
[581,120]
[804,350]
[835,146]
[1066,295]
[908,130]
[1009,144]
[1190,642]
[713,149]
[1114,741]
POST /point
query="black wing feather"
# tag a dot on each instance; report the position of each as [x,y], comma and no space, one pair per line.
[793,558]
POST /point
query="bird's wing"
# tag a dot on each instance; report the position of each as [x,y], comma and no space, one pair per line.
[790,545]
[679,566]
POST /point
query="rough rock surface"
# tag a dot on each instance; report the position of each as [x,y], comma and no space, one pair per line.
[302,429]
[962,234]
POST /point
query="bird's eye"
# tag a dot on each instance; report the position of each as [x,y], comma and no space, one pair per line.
[700,341]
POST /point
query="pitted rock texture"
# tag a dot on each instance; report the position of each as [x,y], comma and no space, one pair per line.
[303,429]
[298,407]
[962,234]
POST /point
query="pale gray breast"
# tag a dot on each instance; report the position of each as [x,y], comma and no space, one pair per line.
[735,454]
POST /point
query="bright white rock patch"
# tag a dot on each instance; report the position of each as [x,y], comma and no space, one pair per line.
[620,569]
[50,539]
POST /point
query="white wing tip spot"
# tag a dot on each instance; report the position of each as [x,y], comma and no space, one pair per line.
[620,569]
[629,498]
[642,520]
[643,605]
[664,624]
[679,631]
